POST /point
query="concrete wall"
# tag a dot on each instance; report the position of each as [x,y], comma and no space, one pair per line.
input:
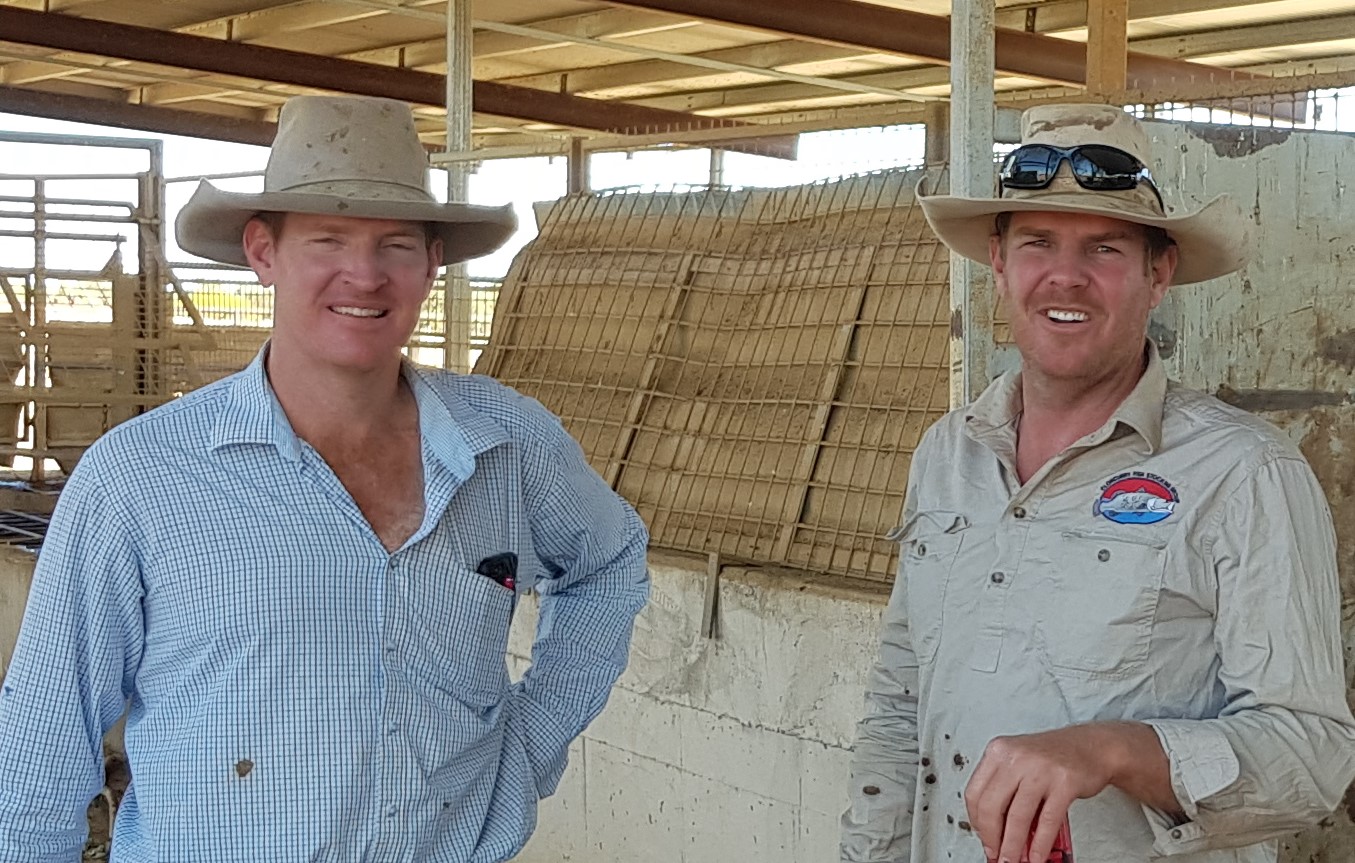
[733,749]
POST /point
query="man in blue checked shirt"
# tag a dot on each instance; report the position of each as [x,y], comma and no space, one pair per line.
[300,579]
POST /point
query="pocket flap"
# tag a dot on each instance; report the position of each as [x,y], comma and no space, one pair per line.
[927,523]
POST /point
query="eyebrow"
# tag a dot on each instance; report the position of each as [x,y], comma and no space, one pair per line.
[414,230]
[1044,234]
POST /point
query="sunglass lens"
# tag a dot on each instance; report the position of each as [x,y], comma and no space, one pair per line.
[1030,167]
[1106,168]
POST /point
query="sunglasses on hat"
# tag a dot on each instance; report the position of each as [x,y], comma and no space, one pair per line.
[1096,167]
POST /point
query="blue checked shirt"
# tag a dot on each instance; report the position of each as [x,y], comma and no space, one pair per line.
[295,691]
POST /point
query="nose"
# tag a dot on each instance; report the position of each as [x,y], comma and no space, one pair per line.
[1068,267]
[363,270]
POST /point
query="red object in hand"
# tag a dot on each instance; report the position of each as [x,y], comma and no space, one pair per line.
[1062,852]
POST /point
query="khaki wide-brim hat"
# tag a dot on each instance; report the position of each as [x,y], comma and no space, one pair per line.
[342,156]
[1212,240]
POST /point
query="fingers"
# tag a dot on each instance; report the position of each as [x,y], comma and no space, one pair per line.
[1046,829]
[987,797]
[1021,813]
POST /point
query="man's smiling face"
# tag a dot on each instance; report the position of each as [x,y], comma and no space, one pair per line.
[1078,289]
[347,291]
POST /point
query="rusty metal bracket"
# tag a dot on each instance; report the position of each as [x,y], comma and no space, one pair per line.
[710,612]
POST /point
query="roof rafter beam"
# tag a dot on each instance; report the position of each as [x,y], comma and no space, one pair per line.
[1059,15]
[1055,16]
[1238,38]
[914,34]
[764,55]
[107,112]
[1229,39]
[258,62]
[698,61]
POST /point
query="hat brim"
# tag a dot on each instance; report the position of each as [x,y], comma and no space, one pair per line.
[212,224]
[1212,241]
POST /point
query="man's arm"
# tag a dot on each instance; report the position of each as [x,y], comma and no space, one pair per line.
[593,545]
[73,666]
[878,825]
[1281,753]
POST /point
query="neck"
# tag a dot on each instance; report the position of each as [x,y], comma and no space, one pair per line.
[1057,413]
[325,404]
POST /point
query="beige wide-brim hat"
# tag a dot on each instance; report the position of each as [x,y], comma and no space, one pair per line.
[342,156]
[1212,240]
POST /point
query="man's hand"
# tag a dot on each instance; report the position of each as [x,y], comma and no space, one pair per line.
[1029,781]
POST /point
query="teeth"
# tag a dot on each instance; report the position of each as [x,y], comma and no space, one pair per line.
[355,312]
[1065,317]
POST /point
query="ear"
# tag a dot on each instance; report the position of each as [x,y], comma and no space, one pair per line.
[999,264]
[434,256]
[260,250]
[434,260]
[1162,271]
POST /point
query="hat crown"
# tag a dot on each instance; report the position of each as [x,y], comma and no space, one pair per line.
[1212,240]
[1076,125]
[342,145]
[1072,125]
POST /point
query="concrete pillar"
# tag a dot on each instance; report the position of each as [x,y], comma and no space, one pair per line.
[578,165]
[936,145]
[460,121]
[971,174]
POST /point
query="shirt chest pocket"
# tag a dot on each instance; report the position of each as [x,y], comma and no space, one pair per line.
[928,545]
[1097,615]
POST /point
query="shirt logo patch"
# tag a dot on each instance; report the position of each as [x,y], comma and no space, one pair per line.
[1135,497]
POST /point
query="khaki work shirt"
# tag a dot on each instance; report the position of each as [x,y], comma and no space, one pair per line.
[1176,566]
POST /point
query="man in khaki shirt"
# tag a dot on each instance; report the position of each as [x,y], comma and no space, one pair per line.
[1117,599]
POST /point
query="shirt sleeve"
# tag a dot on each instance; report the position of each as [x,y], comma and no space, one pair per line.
[878,824]
[72,669]
[593,546]
[1282,752]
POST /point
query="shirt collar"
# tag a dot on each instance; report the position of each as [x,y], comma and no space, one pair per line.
[991,419]
[454,431]
[253,413]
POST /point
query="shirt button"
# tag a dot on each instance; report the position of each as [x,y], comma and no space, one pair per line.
[871,790]
[922,549]
[1176,834]
[1019,512]
[998,577]
[393,729]
[1103,555]
[392,811]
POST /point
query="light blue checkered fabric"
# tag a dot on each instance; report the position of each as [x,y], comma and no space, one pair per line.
[296,692]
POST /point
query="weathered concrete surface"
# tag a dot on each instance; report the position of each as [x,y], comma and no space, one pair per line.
[1278,338]
[732,749]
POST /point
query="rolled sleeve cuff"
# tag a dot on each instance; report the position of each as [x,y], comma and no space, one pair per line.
[1203,766]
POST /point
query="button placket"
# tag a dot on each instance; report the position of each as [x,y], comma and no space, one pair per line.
[986,650]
